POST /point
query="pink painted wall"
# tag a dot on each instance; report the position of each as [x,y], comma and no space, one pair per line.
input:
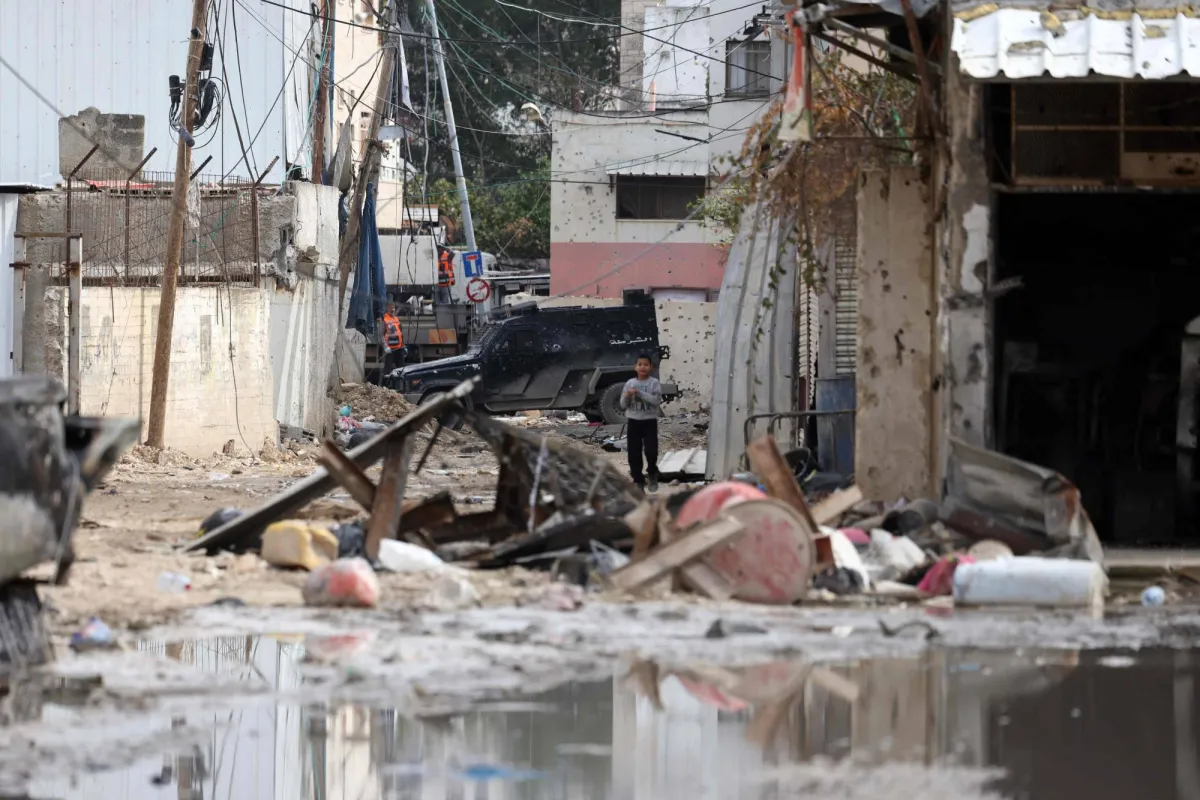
[575,267]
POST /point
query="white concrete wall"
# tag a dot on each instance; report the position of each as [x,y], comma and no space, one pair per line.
[305,324]
[689,329]
[118,331]
[894,376]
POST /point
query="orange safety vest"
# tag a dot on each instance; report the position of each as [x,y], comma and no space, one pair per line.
[393,338]
[445,268]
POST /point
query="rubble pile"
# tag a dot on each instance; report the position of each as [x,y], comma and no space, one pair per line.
[368,400]
[1007,533]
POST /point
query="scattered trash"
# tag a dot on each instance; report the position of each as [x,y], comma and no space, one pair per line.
[228,602]
[95,635]
[1153,596]
[351,538]
[1029,581]
[892,557]
[839,580]
[297,545]
[173,582]
[396,556]
[216,477]
[217,519]
[345,411]
[939,580]
[930,631]
[557,596]
[720,629]
[846,556]
[345,582]
[451,593]
[989,550]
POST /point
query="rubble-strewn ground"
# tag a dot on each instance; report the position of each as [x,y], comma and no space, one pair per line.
[411,660]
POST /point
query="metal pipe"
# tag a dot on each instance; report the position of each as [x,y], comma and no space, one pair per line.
[129,211]
[460,181]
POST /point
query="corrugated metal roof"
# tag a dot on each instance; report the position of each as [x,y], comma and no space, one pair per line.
[1031,43]
[695,169]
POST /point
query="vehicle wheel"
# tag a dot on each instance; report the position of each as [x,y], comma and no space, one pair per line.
[449,419]
[610,404]
[593,416]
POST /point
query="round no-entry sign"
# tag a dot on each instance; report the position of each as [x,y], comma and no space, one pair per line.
[478,290]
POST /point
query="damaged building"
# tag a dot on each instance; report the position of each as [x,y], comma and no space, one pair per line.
[1030,286]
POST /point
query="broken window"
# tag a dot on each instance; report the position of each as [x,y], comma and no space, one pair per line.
[747,68]
[657,196]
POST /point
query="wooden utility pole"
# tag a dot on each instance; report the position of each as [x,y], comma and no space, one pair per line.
[322,104]
[183,167]
[368,170]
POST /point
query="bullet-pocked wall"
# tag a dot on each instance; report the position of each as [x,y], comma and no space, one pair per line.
[689,329]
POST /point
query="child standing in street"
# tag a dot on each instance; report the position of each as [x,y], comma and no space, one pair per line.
[641,400]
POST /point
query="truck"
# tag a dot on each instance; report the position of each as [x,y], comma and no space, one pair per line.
[570,358]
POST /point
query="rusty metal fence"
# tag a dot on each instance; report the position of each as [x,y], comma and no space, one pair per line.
[124,221]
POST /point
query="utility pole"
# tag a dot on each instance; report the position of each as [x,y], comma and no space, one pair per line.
[464,202]
[183,166]
[368,170]
[318,148]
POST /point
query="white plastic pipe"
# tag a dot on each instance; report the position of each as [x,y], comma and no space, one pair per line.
[1026,581]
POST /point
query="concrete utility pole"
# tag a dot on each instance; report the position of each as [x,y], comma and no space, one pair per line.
[464,202]
[183,167]
[368,170]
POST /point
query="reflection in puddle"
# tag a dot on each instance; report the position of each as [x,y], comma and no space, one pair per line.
[1096,724]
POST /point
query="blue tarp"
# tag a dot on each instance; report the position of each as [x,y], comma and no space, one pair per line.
[368,294]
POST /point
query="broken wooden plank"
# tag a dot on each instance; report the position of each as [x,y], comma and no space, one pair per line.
[835,684]
[302,492]
[832,507]
[389,497]
[643,521]
[428,513]
[678,553]
[772,469]
[697,576]
[347,474]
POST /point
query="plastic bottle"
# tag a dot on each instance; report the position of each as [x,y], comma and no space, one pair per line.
[173,582]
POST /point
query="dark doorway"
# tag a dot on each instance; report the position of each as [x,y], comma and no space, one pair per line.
[1088,349]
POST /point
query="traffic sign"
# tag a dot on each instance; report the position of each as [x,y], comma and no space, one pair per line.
[478,290]
[473,264]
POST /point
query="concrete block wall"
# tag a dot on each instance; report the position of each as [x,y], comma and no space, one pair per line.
[120,135]
[118,328]
[894,375]
[689,329]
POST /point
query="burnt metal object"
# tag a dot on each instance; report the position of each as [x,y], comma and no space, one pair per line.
[1026,506]
[50,463]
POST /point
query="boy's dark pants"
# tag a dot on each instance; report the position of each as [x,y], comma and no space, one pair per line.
[642,435]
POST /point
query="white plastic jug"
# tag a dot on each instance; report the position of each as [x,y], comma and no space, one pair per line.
[1028,581]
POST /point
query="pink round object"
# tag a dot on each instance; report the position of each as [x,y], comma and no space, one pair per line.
[857,537]
[772,562]
[705,504]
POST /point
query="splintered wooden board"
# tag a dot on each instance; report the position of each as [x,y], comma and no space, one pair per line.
[678,553]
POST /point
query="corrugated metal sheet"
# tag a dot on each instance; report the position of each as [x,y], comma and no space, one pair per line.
[753,366]
[1030,43]
[689,169]
[116,55]
[845,265]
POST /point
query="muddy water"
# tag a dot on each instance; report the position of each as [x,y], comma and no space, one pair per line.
[951,723]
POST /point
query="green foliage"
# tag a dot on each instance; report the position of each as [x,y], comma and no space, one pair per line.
[573,66]
[511,218]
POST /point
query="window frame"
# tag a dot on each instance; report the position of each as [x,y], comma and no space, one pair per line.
[753,84]
[643,185]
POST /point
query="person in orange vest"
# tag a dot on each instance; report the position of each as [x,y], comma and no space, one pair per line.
[393,340]
[445,267]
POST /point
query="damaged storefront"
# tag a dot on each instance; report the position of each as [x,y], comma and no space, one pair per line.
[1070,288]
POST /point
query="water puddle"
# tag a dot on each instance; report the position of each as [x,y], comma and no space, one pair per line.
[1017,724]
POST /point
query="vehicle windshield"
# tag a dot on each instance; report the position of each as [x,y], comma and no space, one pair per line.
[483,335]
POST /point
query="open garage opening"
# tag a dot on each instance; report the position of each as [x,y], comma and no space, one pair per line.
[1089,351]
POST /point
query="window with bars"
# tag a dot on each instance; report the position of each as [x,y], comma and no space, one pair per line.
[747,68]
[657,196]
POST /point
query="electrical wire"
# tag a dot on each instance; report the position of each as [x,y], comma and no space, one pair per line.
[629,31]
